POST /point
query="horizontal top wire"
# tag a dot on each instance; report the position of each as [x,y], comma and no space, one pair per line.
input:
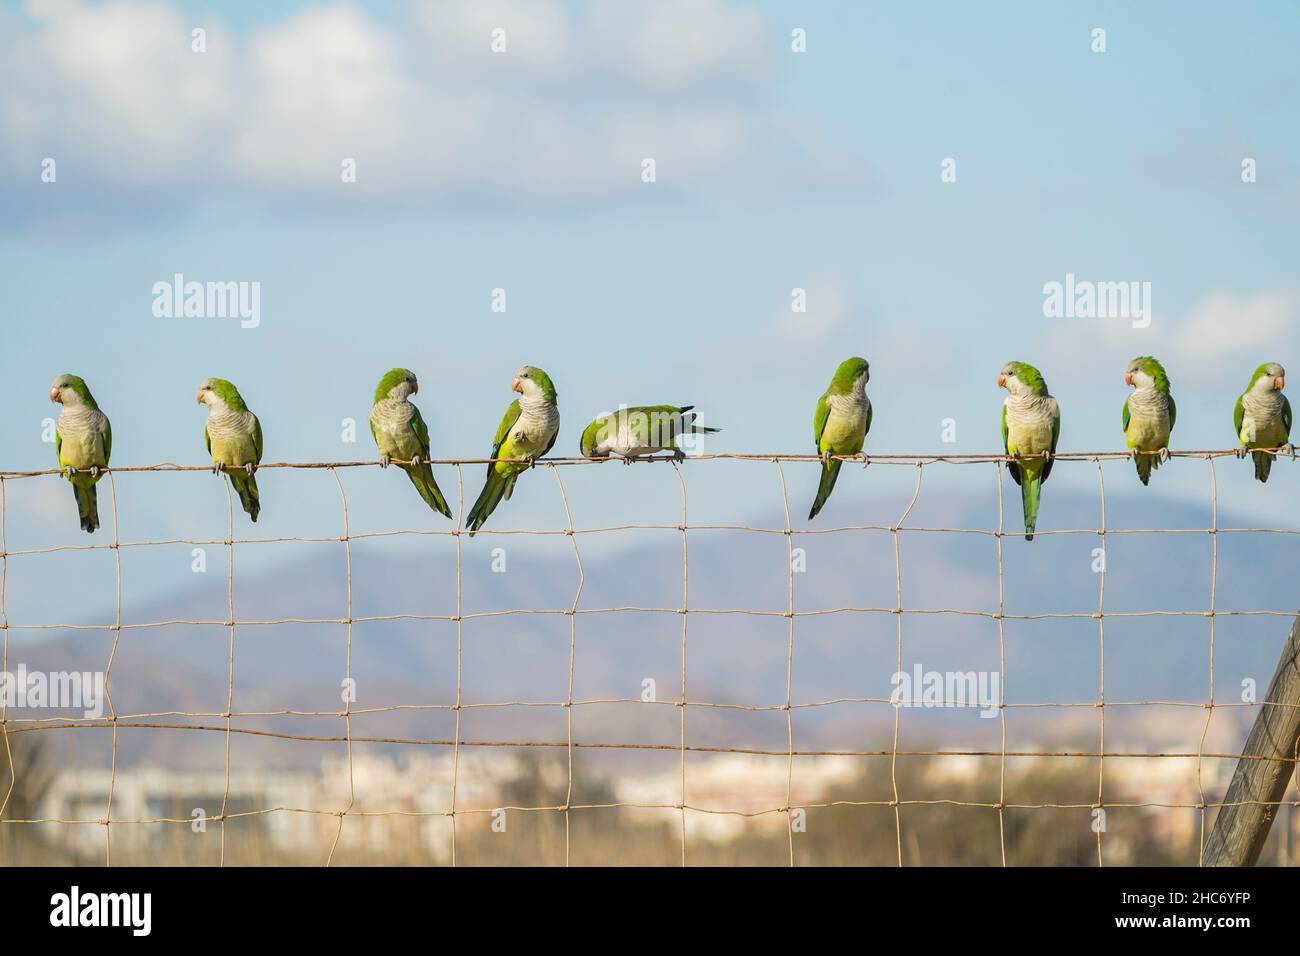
[905,459]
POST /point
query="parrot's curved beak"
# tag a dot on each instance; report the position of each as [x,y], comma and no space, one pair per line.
[1128,378]
[415,387]
[54,394]
[517,386]
[199,397]
[1279,383]
[1002,381]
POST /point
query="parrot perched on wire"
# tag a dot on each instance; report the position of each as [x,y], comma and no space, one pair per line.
[841,421]
[400,432]
[527,431]
[1031,424]
[1262,418]
[234,439]
[1149,414]
[642,430]
[83,441]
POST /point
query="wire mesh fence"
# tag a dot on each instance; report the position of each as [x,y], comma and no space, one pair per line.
[227,722]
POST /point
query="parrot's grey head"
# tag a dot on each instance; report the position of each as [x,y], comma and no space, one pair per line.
[595,439]
[1021,378]
[398,384]
[70,390]
[532,382]
[1269,377]
[219,394]
[851,375]
[1145,372]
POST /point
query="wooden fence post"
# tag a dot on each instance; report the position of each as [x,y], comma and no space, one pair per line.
[1266,766]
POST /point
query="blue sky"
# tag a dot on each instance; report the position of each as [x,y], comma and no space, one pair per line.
[520,171]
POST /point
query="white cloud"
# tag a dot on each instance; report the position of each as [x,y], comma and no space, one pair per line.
[1218,337]
[423,105]
[1226,326]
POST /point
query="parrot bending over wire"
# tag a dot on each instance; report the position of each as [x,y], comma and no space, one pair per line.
[234,439]
[642,430]
[841,421]
[527,431]
[1262,418]
[83,441]
[1149,414]
[400,432]
[1031,424]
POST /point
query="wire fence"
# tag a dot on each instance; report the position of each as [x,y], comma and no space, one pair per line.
[226,722]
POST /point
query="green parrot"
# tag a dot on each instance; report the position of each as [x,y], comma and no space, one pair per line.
[83,440]
[1149,414]
[234,439]
[1262,418]
[642,430]
[841,421]
[1031,424]
[400,432]
[527,431]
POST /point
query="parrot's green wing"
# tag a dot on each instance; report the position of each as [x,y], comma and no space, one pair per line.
[207,439]
[1012,467]
[507,423]
[820,415]
[1126,415]
[58,445]
[870,411]
[108,440]
[1286,416]
[421,432]
[1173,413]
[1238,416]
[257,438]
[1056,433]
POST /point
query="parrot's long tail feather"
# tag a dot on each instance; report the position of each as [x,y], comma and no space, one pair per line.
[87,506]
[425,484]
[245,486]
[493,490]
[1263,464]
[688,423]
[830,471]
[1145,464]
[1029,495]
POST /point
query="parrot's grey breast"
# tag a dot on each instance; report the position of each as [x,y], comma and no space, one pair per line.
[78,421]
[230,424]
[392,416]
[1027,411]
[1149,404]
[538,419]
[1264,409]
[82,431]
[852,406]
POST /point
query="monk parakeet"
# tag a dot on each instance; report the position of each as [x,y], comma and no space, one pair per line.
[1149,414]
[401,433]
[234,439]
[527,431]
[1262,417]
[643,430]
[1031,424]
[83,441]
[840,423]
